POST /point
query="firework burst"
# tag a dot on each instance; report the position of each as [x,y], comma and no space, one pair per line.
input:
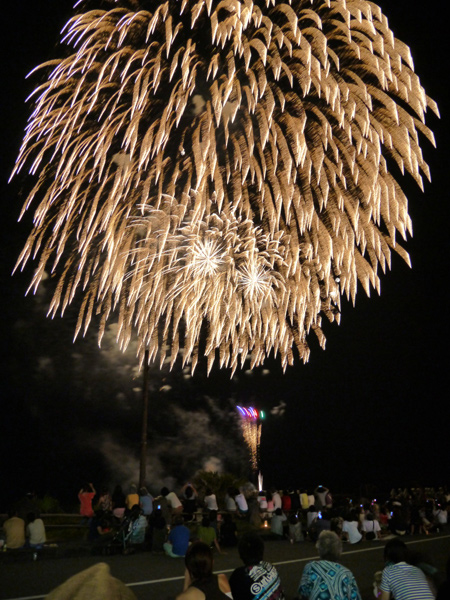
[217,173]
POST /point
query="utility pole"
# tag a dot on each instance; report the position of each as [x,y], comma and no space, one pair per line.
[143,462]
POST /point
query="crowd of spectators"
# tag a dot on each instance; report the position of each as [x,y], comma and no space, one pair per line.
[195,522]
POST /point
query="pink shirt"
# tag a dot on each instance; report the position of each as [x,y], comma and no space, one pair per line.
[85,499]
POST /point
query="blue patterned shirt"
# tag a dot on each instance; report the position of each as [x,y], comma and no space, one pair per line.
[326,580]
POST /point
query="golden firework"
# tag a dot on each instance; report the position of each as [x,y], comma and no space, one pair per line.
[217,173]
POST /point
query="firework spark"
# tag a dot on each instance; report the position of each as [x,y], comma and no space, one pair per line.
[217,174]
[251,429]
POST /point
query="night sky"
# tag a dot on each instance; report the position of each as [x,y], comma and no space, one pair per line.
[371,408]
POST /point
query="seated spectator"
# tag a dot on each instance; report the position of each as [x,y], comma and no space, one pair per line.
[14,529]
[397,522]
[277,523]
[323,521]
[228,531]
[443,592]
[199,581]
[101,532]
[350,531]
[439,518]
[371,529]
[178,540]
[207,534]
[257,578]
[326,578]
[135,536]
[400,580]
[295,529]
[158,529]
[35,531]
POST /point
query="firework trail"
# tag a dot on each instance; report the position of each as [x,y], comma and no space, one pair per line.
[251,429]
[217,174]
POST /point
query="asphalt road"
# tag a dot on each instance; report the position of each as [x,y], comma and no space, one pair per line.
[153,576]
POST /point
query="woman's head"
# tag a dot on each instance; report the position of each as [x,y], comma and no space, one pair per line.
[329,546]
[199,561]
[395,551]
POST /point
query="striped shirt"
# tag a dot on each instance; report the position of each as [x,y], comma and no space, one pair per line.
[405,582]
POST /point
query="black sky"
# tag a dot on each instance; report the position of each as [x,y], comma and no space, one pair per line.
[372,408]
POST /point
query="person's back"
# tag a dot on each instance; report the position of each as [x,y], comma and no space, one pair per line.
[277,522]
[257,578]
[14,529]
[35,531]
[401,580]
[200,583]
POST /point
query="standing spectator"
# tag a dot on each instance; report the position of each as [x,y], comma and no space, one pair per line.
[35,531]
[326,578]
[257,578]
[210,500]
[173,502]
[189,501]
[14,529]
[145,502]
[132,497]
[118,500]
[28,504]
[276,499]
[86,496]
[320,494]
[105,501]
[286,503]
[304,499]
[199,581]
[241,503]
[400,580]
[230,503]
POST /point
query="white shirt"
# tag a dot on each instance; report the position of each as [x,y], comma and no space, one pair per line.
[172,500]
[241,502]
[351,527]
[211,502]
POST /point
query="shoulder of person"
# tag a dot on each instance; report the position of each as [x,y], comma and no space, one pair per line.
[224,586]
[192,593]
